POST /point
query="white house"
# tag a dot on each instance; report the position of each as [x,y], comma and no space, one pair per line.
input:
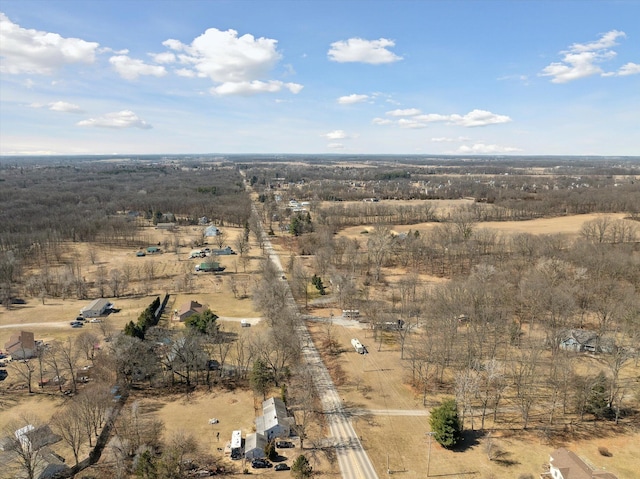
[211,231]
[564,464]
[254,445]
[96,308]
[274,421]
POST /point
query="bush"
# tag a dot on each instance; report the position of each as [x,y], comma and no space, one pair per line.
[604,452]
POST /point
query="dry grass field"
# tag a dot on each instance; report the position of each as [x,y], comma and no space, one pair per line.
[374,382]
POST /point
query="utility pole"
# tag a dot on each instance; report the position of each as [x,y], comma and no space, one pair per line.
[429,453]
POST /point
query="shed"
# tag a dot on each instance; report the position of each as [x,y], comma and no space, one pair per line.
[96,308]
[254,445]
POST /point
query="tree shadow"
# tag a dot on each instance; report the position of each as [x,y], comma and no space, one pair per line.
[469,439]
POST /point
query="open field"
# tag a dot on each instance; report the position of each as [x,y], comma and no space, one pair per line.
[565,225]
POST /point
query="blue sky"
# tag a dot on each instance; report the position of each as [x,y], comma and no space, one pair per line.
[352,77]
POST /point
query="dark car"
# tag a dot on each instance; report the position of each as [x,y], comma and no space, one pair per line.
[76,324]
[282,467]
[260,464]
[3,374]
[284,444]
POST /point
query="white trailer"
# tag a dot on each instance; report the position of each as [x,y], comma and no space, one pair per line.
[358,346]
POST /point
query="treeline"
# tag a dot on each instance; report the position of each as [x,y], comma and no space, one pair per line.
[85,201]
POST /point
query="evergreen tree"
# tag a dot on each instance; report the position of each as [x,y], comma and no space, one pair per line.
[260,377]
[598,400]
[301,468]
[204,322]
[445,423]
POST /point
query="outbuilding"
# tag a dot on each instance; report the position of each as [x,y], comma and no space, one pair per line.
[96,308]
[254,445]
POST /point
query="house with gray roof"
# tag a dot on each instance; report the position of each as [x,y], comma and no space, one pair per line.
[274,422]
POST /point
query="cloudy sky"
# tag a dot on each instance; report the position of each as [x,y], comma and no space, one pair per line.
[352,76]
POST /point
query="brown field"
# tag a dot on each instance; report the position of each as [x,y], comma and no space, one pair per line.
[566,225]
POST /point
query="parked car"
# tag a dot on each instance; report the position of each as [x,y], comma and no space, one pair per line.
[76,324]
[3,374]
[282,467]
[284,444]
[96,320]
[260,464]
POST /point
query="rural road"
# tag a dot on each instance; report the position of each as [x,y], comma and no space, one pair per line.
[352,458]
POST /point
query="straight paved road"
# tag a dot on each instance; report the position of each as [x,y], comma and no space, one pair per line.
[353,460]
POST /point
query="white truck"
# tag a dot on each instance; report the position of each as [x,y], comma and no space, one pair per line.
[358,346]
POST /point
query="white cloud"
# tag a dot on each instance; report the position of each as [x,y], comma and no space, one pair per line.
[479,118]
[353,98]
[381,121]
[363,51]
[164,57]
[224,57]
[118,120]
[412,118]
[63,106]
[582,60]
[335,135]
[247,88]
[32,51]
[481,148]
[132,68]
[185,72]
[629,69]
[444,139]
[405,112]
[238,65]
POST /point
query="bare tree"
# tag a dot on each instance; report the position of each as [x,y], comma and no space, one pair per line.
[220,238]
[68,424]
[24,368]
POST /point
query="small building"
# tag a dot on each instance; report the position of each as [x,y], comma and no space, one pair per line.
[189,309]
[564,464]
[21,345]
[96,308]
[254,445]
[211,231]
[274,421]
